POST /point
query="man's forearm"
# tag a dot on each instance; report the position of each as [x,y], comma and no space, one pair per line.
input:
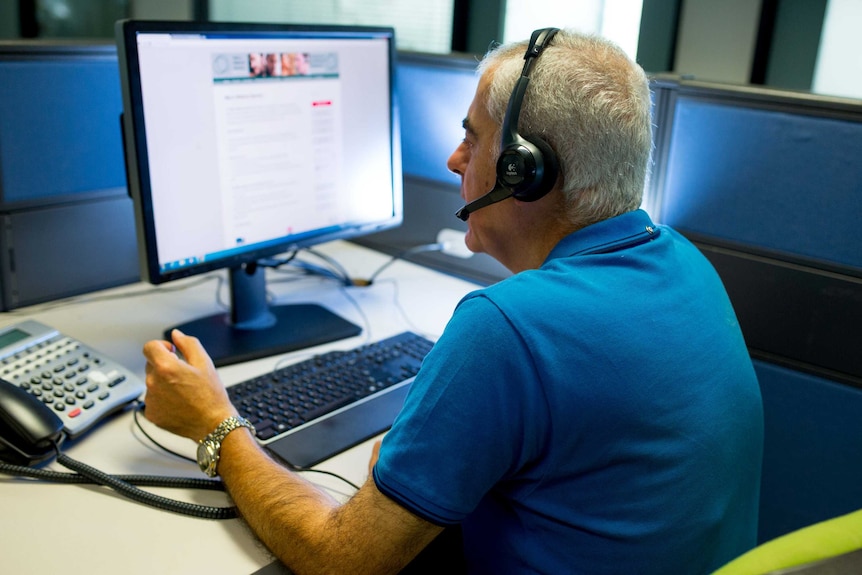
[309,530]
[286,512]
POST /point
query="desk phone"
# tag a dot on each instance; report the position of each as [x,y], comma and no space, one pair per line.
[77,382]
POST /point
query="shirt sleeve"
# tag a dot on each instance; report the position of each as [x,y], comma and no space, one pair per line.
[472,419]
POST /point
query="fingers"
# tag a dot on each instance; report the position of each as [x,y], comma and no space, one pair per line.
[158,351]
[190,347]
[184,394]
[169,346]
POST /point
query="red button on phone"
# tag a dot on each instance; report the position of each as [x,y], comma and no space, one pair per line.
[75,412]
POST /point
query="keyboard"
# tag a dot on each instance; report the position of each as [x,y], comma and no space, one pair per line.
[311,410]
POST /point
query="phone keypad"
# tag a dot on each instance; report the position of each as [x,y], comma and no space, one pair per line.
[77,382]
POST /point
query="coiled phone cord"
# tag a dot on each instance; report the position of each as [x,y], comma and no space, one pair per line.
[138,480]
[126,486]
[128,490]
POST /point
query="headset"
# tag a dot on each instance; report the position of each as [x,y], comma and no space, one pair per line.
[526,169]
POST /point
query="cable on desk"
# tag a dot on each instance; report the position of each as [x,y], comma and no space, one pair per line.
[126,485]
[323,472]
[128,490]
[138,480]
[140,407]
[400,255]
[335,271]
[338,272]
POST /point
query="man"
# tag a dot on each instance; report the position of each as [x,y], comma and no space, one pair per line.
[596,412]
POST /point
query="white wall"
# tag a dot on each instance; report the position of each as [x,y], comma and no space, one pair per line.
[839,61]
[616,20]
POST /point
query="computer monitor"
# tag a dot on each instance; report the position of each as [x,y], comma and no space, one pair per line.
[244,141]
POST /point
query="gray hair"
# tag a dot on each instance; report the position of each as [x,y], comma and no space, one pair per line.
[591,103]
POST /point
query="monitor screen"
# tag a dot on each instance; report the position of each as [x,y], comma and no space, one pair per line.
[248,140]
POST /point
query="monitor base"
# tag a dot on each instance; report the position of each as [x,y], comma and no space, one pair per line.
[297,326]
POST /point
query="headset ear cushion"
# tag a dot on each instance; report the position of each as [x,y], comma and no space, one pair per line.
[547,170]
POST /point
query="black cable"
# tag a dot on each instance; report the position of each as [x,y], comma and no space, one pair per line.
[292,467]
[316,270]
[323,472]
[138,480]
[126,485]
[139,407]
[337,271]
[275,263]
[130,491]
[340,272]
[400,255]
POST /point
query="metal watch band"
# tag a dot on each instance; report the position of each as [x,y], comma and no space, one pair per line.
[228,425]
[209,448]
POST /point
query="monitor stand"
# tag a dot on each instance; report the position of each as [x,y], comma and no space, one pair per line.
[253,329]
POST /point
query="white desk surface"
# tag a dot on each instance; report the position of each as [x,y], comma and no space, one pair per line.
[59,529]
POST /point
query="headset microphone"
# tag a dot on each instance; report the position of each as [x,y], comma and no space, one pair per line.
[526,169]
[498,194]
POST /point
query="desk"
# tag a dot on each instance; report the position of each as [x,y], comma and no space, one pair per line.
[53,528]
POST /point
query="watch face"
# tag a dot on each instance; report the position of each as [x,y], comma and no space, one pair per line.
[207,457]
[208,449]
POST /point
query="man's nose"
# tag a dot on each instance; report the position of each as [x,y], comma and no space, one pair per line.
[455,161]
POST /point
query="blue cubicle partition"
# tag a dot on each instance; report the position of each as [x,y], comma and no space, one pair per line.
[769,185]
[780,175]
[434,93]
[813,445]
[67,220]
[59,122]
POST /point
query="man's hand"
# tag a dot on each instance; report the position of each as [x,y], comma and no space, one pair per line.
[184,397]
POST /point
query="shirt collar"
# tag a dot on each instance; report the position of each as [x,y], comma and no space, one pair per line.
[613,234]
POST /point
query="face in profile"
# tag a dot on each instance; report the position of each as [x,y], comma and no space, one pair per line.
[473,162]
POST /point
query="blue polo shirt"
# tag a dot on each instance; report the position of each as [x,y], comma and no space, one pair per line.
[599,414]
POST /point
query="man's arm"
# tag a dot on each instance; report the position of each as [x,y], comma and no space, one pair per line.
[304,527]
[307,529]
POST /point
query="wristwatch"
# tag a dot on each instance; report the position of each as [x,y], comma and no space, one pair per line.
[210,446]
